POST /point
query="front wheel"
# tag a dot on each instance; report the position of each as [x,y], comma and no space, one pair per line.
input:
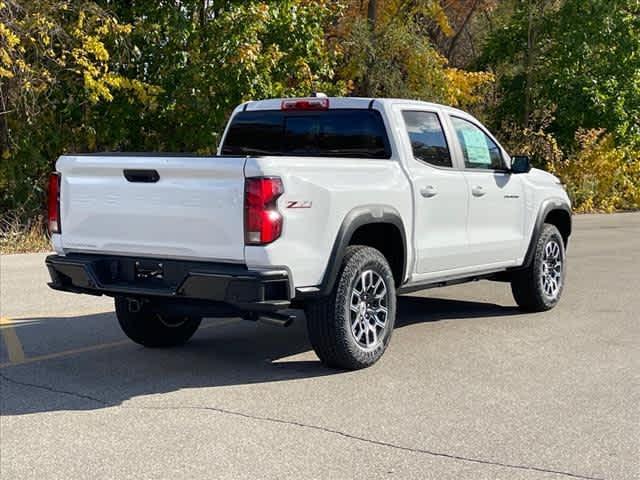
[144,326]
[539,287]
[352,327]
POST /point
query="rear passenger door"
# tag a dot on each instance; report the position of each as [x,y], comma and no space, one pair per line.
[440,193]
[496,203]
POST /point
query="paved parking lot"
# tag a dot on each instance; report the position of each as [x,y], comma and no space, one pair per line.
[469,388]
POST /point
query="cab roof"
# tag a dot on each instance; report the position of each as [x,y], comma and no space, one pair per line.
[349,102]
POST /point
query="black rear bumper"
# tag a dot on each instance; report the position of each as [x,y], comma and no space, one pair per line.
[224,283]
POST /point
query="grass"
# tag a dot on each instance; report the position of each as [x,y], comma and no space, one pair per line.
[17,236]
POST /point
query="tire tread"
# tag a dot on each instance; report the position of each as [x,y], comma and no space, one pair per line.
[331,341]
[525,285]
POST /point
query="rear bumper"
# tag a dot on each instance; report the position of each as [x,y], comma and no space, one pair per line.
[224,283]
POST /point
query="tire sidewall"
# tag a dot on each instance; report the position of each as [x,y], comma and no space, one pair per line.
[550,233]
[366,259]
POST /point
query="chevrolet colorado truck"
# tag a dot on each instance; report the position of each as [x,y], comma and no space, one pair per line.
[330,205]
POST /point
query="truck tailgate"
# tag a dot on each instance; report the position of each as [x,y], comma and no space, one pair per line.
[194,210]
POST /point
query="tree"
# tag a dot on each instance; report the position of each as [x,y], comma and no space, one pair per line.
[57,65]
[388,52]
[578,59]
[145,75]
[591,68]
[208,56]
[515,51]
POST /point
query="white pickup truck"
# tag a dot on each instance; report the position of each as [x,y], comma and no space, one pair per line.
[331,205]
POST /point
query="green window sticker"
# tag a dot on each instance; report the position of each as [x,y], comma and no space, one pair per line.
[476,146]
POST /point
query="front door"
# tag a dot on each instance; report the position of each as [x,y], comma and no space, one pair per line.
[496,205]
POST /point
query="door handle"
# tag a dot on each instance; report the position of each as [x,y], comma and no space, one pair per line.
[478,191]
[141,176]
[429,191]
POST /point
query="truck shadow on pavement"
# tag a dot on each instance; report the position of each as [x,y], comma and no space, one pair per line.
[223,354]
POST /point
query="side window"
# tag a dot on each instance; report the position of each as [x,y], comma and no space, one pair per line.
[427,138]
[478,149]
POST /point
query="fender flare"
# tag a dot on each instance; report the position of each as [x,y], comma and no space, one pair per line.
[546,207]
[356,218]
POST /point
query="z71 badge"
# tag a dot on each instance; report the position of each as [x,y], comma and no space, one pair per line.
[299,204]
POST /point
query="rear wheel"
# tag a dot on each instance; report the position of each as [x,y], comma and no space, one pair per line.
[145,326]
[539,287]
[352,327]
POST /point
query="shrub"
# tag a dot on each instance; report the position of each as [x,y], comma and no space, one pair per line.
[534,141]
[600,176]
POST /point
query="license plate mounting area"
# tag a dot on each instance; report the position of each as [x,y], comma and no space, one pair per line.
[148,270]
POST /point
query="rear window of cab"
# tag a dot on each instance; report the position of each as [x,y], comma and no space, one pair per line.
[354,133]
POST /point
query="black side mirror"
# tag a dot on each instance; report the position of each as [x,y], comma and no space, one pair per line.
[520,164]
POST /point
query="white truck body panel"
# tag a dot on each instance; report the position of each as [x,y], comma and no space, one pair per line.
[332,187]
[195,210]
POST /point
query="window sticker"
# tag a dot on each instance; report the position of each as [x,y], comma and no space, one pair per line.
[476,146]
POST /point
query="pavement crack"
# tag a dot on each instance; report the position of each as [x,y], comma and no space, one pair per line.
[298,424]
[377,442]
[54,390]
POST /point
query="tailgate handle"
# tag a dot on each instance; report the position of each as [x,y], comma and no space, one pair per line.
[141,176]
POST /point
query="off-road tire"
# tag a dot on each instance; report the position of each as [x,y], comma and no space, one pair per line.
[151,329]
[527,284]
[329,320]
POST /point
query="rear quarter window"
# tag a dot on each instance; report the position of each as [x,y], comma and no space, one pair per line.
[331,133]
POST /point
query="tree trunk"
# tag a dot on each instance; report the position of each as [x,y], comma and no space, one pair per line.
[456,36]
[528,68]
[203,13]
[372,11]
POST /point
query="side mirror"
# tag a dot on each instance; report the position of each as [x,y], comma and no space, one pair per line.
[520,164]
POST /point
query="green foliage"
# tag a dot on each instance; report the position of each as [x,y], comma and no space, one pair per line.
[145,75]
[207,60]
[58,65]
[578,58]
[592,68]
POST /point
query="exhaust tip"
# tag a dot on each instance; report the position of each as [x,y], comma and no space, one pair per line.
[276,319]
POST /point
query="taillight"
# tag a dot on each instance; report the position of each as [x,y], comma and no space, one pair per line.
[54,203]
[262,220]
[305,104]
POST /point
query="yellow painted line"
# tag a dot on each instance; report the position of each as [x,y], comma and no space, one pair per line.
[92,348]
[65,353]
[11,340]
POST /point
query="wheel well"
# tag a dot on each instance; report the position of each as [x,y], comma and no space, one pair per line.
[562,221]
[386,238]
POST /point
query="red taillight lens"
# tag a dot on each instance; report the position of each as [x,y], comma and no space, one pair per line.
[54,203]
[305,104]
[262,220]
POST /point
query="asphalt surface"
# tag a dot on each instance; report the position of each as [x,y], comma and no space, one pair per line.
[469,388]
